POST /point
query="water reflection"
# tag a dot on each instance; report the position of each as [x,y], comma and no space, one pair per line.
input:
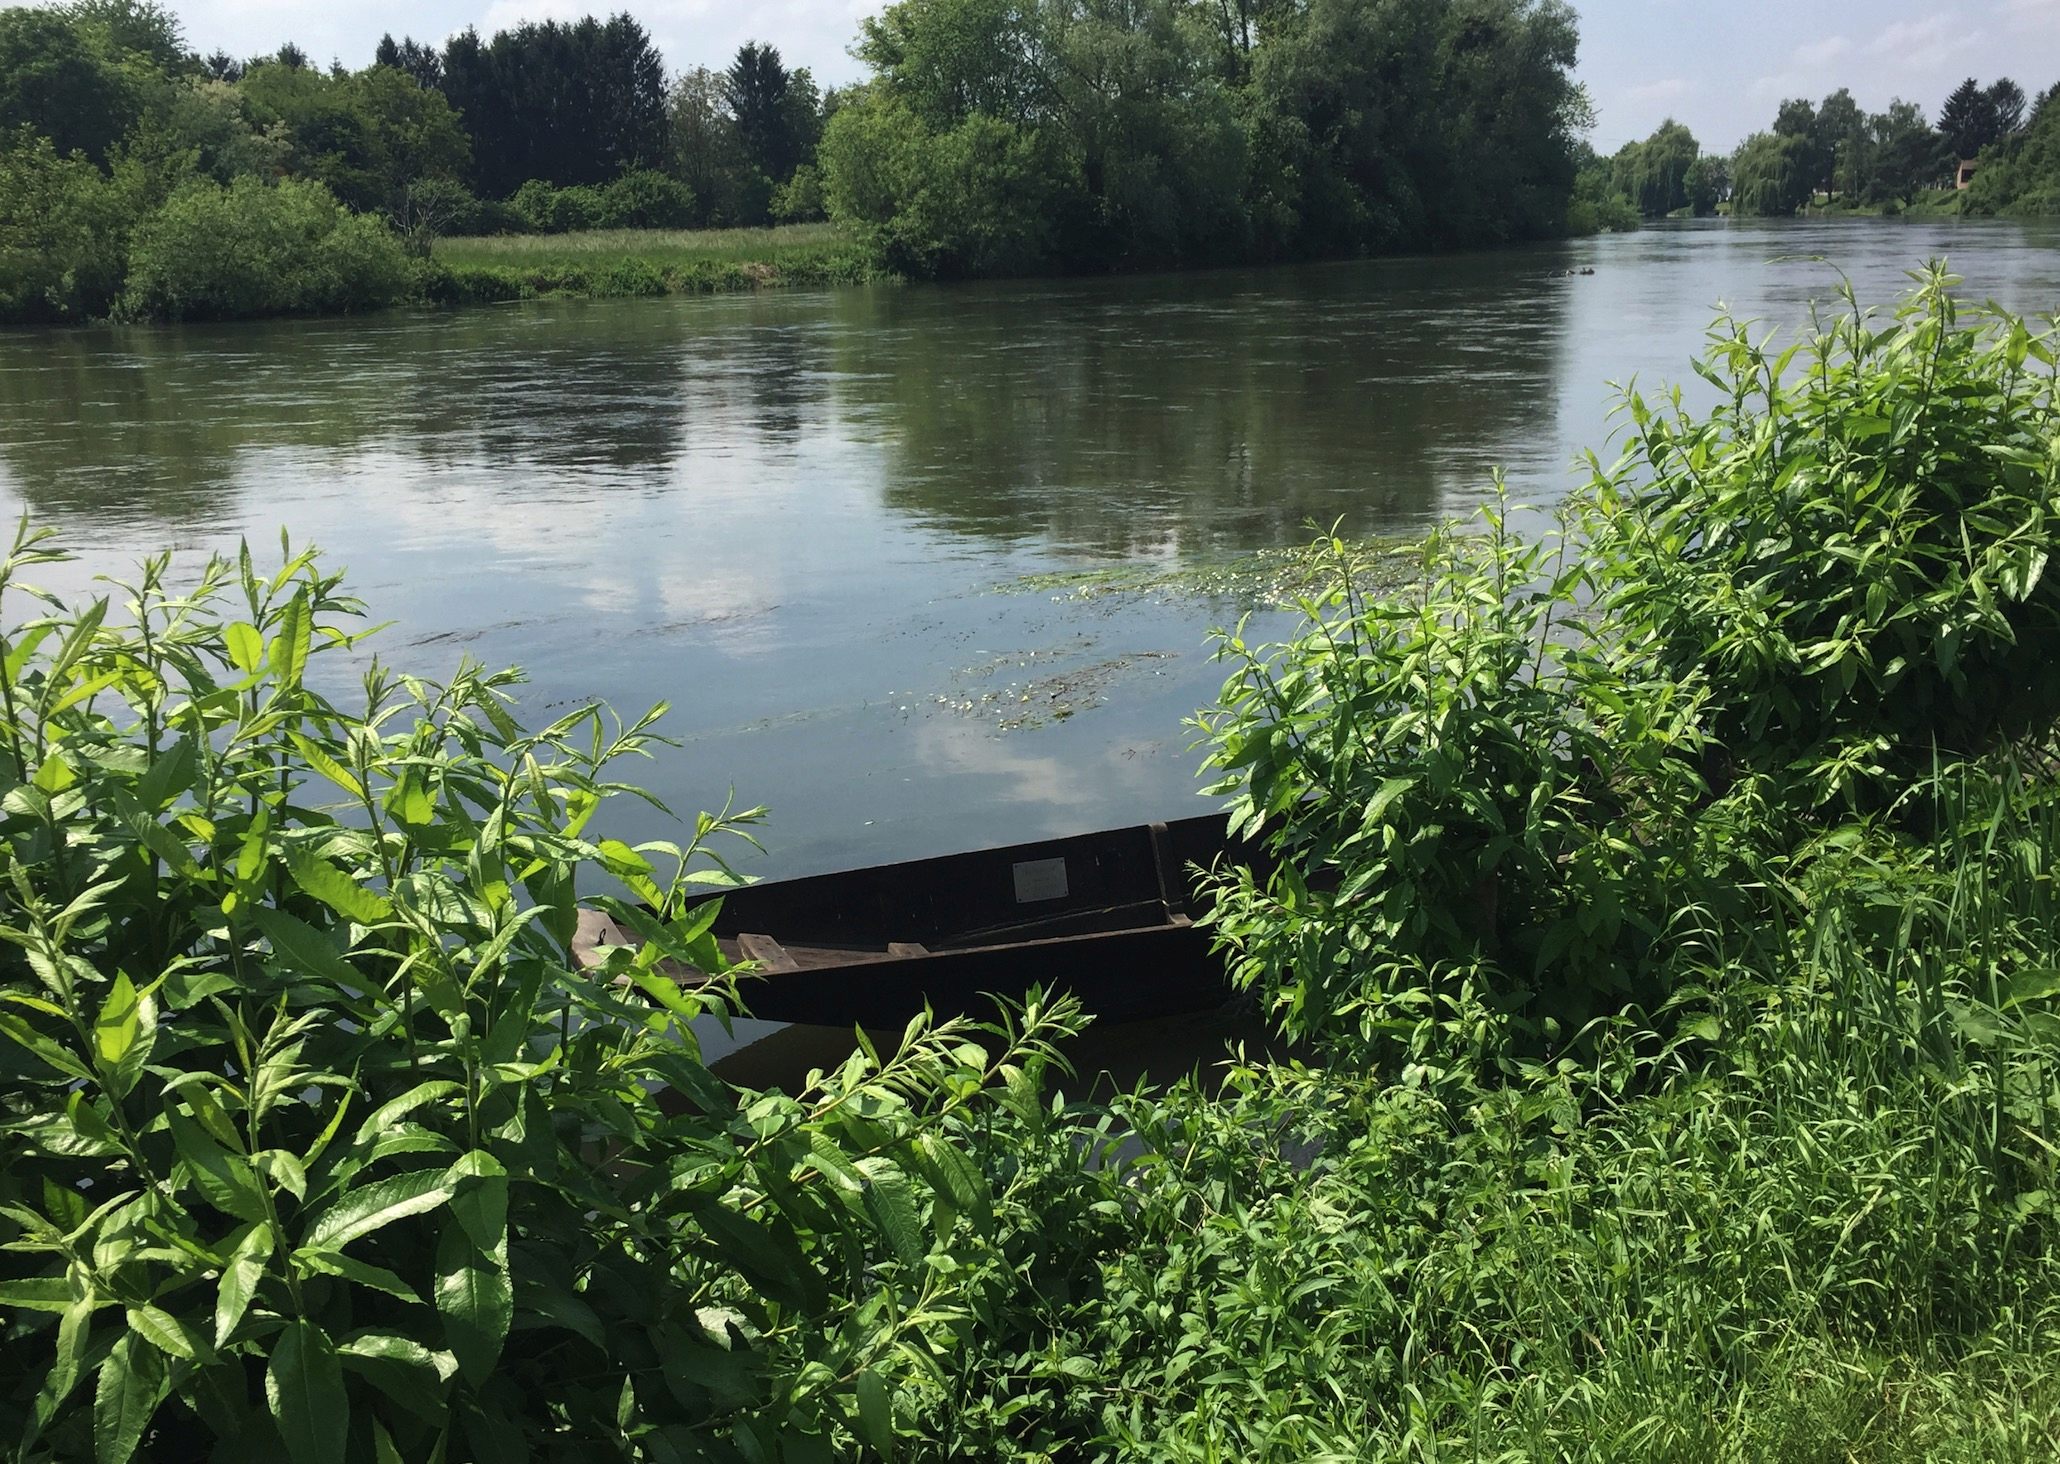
[1192,414]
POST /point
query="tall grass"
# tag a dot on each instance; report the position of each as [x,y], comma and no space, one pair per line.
[644,262]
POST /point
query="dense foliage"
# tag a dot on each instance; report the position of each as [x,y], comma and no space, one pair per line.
[1670,1106]
[1834,155]
[2021,174]
[214,252]
[315,1141]
[996,136]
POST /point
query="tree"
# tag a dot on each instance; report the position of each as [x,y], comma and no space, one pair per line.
[1709,183]
[1654,174]
[2042,105]
[366,135]
[702,146]
[567,103]
[412,58]
[60,87]
[1770,176]
[2006,106]
[1968,120]
[1907,155]
[1837,141]
[755,90]
[135,27]
[2021,175]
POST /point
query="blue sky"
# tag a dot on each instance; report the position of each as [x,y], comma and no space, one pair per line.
[1721,66]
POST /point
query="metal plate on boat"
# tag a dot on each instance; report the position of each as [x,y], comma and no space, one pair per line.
[1040,879]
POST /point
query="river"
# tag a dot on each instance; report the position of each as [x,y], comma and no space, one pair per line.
[805,520]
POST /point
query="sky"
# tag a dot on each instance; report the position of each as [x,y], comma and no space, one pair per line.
[1720,66]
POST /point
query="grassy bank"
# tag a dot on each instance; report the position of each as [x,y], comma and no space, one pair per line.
[620,262]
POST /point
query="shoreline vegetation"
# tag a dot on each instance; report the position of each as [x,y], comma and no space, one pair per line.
[140,181]
[605,264]
[1663,922]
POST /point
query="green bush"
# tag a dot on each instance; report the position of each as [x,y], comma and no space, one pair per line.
[2020,175]
[645,199]
[1449,779]
[261,249]
[982,197]
[1850,555]
[545,209]
[64,228]
[316,1143]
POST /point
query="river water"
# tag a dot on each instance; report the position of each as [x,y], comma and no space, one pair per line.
[804,519]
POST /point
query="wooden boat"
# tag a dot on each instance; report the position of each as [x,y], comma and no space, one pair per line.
[1108,916]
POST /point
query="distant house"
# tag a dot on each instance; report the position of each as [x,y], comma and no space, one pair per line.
[1963,174]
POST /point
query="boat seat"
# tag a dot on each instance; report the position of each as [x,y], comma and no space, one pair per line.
[766,951]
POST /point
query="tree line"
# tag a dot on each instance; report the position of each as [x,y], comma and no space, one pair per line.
[997,136]
[1837,154]
[992,135]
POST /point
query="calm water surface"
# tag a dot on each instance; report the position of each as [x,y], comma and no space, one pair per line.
[795,516]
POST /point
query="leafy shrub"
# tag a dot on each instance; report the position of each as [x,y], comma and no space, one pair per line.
[980,198]
[63,233]
[551,210]
[261,249]
[631,277]
[800,200]
[645,199]
[317,1144]
[1471,795]
[1851,556]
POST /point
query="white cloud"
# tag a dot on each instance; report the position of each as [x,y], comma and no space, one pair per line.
[1822,53]
[1671,89]
[1917,42]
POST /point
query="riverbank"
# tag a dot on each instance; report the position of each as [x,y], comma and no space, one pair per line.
[613,263]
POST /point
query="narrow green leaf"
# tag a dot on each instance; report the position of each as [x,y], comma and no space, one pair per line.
[239,1283]
[20,1032]
[303,948]
[477,1301]
[876,1413]
[68,1362]
[38,1293]
[323,880]
[114,1030]
[246,647]
[404,1370]
[891,1203]
[170,774]
[304,1386]
[132,1383]
[379,1204]
[226,1180]
[165,1332]
[290,645]
[387,1114]
[336,1263]
[318,758]
[479,1198]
